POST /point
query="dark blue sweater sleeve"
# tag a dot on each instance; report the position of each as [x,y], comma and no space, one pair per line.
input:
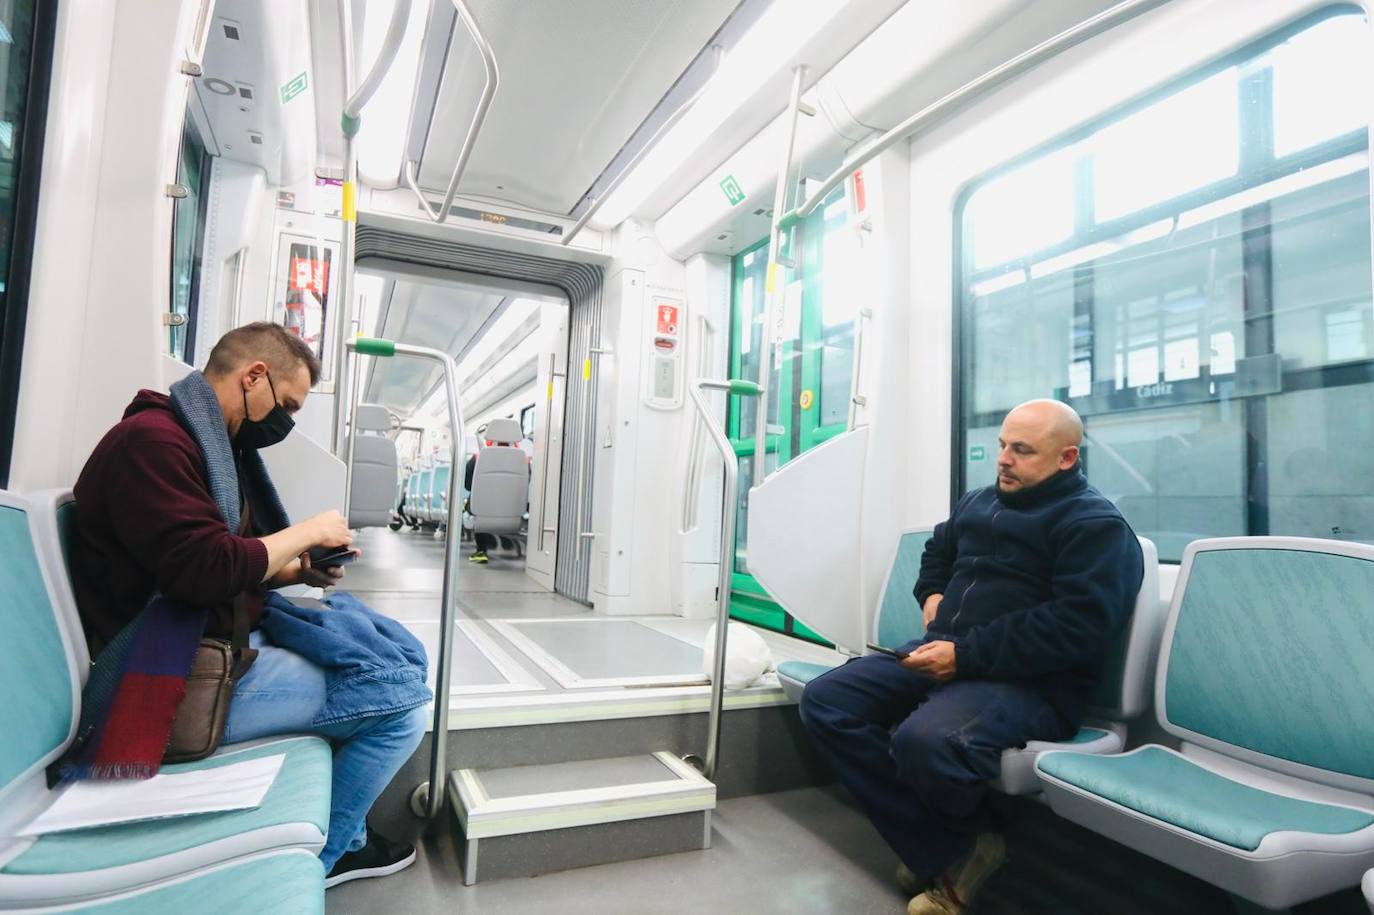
[937,562]
[1097,574]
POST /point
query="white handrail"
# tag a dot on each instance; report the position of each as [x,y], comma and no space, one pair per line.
[479,117]
[391,45]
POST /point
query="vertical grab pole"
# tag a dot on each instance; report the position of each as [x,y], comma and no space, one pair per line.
[727,551]
[350,122]
[773,279]
[428,799]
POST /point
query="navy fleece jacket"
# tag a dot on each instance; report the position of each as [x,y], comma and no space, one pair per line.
[1036,586]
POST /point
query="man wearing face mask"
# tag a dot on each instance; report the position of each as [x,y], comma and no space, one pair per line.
[151,520]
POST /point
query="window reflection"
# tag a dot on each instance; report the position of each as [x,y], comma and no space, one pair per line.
[1217,350]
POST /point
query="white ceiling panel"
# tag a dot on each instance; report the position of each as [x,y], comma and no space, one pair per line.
[577,78]
[441,315]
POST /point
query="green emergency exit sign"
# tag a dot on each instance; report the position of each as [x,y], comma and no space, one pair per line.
[976,453]
[733,192]
[293,88]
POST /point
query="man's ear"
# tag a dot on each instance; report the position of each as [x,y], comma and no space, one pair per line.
[1068,457]
[251,373]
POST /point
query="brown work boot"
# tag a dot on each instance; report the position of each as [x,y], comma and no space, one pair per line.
[955,888]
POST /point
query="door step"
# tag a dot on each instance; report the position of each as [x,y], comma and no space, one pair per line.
[522,821]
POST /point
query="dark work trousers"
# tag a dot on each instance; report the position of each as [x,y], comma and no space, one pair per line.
[485,542]
[917,755]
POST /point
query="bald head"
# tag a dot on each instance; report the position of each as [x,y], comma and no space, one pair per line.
[1039,439]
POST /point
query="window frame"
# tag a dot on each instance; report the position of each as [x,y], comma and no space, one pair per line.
[1086,232]
[27,190]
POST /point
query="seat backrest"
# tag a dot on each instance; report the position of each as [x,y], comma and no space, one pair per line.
[1268,656]
[439,495]
[504,432]
[371,417]
[53,517]
[1124,689]
[899,616]
[422,491]
[374,481]
[37,677]
[500,486]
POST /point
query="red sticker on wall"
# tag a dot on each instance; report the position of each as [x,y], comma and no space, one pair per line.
[667,319]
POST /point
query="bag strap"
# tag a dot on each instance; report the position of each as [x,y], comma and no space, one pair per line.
[244,656]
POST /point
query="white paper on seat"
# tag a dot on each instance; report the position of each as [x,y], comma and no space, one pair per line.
[82,805]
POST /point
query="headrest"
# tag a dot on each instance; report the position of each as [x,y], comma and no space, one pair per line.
[371,417]
[503,432]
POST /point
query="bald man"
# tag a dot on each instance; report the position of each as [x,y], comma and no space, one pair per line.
[1022,591]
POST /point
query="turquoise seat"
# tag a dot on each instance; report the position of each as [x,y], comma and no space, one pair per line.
[286,881]
[1122,694]
[39,663]
[438,499]
[1167,786]
[1266,675]
[422,495]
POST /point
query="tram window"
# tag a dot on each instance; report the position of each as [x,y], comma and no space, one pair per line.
[1214,322]
[25,58]
[527,422]
[188,238]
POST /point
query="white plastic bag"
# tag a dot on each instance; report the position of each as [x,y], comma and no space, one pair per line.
[747,657]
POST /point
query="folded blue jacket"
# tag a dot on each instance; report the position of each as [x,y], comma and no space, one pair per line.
[373,665]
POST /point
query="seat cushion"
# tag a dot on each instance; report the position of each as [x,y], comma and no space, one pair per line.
[1018,763]
[299,796]
[794,675]
[1167,786]
[291,881]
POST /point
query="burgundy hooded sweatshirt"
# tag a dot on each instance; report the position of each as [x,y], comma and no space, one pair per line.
[146,523]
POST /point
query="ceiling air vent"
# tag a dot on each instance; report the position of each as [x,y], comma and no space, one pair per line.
[764,211]
[232,30]
[245,92]
[255,137]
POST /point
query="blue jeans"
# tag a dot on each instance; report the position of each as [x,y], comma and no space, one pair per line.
[917,755]
[281,694]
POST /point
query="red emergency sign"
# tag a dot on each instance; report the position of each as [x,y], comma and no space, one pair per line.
[667,319]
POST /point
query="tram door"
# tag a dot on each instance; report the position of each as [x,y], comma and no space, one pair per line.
[809,390]
[547,435]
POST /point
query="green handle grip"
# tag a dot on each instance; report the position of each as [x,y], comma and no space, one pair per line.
[744,388]
[374,346]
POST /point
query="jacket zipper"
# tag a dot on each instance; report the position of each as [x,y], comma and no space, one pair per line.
[964,597]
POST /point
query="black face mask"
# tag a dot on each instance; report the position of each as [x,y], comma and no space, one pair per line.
[265,432]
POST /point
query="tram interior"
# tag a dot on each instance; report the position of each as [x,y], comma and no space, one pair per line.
[1165,224]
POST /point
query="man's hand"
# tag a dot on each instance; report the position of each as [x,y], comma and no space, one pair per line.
[933,659]
[330,529]
[320,578]
[930,609]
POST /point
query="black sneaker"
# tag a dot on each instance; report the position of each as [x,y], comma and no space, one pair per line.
[378,858]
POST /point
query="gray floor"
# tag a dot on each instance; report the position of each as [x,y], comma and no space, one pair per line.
[791,852]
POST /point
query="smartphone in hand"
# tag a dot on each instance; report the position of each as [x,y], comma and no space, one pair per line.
[890,652]
[325,557]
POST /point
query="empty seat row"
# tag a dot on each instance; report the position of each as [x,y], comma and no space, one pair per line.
[268,852]
[1266,679]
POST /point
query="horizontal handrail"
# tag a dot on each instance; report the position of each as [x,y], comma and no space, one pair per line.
[479,117]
